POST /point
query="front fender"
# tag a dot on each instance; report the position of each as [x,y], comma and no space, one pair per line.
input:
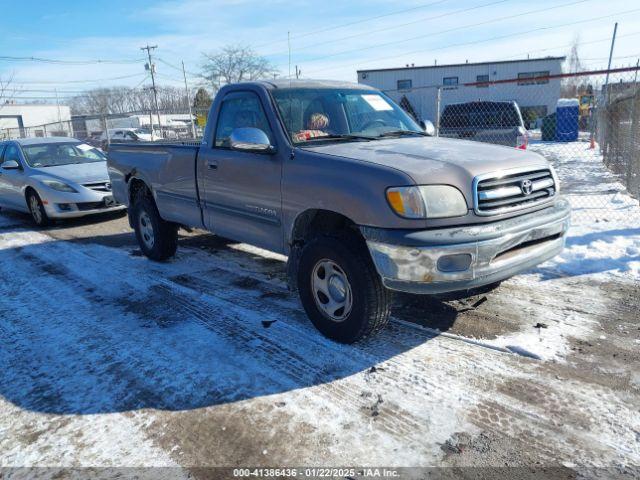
[351,188]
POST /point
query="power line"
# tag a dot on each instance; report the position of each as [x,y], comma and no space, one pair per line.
[179,69]
[65,62]
[474,42]
[46,82]
[463,27]
[356,22]
[605,39]
[393,27]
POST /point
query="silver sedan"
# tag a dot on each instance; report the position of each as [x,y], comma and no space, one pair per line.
[53,178]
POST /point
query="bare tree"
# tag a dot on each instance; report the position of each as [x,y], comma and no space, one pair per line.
[235,63]
[574,86]
[7,92]
[121,100]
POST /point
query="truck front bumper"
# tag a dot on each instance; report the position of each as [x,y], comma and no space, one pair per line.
[460,258]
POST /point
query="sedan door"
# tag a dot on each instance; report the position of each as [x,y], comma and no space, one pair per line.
[241,189]
[12,181]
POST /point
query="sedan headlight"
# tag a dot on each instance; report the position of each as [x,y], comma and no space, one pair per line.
[428,201]
[60,186]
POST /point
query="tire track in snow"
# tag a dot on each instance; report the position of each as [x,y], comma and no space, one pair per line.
[409,379]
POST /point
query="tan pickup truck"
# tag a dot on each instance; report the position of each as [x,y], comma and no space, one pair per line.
[361,198]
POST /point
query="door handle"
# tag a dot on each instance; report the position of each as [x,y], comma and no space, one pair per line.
[212,165]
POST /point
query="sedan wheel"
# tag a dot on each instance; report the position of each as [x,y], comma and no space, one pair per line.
[36,209]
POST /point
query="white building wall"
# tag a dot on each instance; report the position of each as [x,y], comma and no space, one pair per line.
[34,116]
[425,80]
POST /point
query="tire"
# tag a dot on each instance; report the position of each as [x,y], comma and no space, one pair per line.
[36,208]
[341,267]
[158,239]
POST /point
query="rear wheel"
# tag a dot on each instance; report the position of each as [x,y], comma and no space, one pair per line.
[36,208]
[340,289]
[158,239]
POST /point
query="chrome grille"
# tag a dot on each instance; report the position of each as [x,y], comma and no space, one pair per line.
[99,186]
[513,190]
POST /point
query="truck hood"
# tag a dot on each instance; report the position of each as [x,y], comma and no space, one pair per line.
[76,173]
[432,160]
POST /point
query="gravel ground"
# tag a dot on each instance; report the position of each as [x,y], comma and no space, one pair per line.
[110,360]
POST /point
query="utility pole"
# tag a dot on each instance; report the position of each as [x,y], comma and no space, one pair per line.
[152,69]
[186,91]
[59,114]
[438,101]
[613,42]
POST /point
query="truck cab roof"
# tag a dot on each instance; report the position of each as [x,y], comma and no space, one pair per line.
[284,83]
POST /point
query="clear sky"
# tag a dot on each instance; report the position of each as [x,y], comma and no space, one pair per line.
[329,39]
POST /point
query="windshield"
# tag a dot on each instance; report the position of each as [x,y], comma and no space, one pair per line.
[319,114]
[55,154]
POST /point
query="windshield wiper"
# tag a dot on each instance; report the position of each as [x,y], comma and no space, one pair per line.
[333,136]
[394,133]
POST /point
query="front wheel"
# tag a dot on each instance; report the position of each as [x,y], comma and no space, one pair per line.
[158,239]
[340,289]
[36,208]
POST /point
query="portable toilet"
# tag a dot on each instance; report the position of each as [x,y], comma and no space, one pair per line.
[567,116]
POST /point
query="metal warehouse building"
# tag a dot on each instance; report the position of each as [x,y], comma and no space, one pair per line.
[421,90]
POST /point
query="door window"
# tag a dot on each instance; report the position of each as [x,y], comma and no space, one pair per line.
[241,110]
[12,153]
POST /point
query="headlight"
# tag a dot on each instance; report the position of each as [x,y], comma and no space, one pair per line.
[61,187]
[428,201]
[443,201]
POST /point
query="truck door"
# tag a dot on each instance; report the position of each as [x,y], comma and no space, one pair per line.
[241,190]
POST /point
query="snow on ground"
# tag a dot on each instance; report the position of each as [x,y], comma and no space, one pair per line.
[109,359]
[604,239]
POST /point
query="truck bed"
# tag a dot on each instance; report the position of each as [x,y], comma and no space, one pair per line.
[169,168]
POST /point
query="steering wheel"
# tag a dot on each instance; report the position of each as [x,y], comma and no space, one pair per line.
[372,123]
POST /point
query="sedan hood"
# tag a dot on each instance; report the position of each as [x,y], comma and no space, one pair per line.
[77,173]
[432,160]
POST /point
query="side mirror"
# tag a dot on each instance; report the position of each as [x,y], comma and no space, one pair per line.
[250,140]
[428,128]
[10,165]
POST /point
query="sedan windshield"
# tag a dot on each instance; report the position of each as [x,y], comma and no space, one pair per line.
[324,114]
[55,154]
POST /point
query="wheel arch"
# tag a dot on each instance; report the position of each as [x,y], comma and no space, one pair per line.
[309,224]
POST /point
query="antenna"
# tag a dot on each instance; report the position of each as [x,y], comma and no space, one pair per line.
[289,48]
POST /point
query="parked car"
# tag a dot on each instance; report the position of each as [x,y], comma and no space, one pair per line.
[491,122]
[362,201]
[120,135]
[56,177]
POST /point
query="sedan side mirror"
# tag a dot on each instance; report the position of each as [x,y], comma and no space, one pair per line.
[250,140]
[428,128]
[10,165]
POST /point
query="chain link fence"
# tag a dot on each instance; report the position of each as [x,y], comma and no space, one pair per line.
[585,124]
[131,126]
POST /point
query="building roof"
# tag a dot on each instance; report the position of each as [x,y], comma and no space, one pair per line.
[463,64]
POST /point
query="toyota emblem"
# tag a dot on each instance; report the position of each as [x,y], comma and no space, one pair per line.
[526,186]
[107,186]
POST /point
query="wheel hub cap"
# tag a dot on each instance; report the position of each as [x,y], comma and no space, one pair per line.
[146,230]
[331,290]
